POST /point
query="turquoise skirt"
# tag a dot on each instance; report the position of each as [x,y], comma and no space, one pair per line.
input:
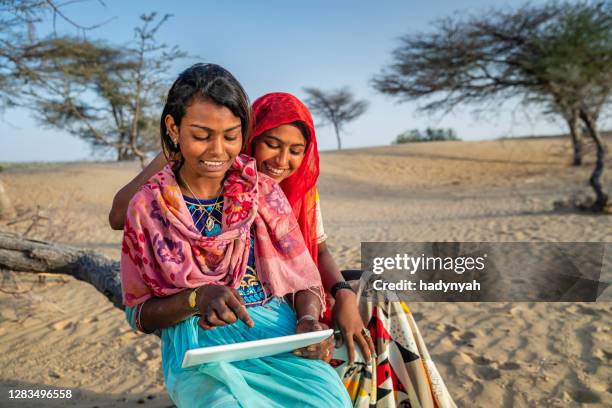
[283,380]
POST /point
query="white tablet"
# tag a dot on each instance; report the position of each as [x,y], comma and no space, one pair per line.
[253,349]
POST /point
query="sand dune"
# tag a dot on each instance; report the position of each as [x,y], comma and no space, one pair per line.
[60,333]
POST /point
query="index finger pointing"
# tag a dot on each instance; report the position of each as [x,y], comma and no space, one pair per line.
[236,303]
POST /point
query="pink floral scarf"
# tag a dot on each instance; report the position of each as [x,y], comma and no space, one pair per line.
[163,253]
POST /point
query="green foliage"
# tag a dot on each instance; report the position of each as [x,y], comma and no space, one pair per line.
[429,135]
[574,58]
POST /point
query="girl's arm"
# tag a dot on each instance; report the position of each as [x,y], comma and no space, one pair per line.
[219,305]
[330,273]
[160,313]
[344,313]
[123,196]
[308,309]
[307,303]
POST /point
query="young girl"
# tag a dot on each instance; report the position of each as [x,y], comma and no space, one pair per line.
[211,249]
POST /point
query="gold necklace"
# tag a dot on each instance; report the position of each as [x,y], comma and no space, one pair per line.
[210,219]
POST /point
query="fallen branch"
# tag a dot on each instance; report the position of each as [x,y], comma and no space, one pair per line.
[27,255]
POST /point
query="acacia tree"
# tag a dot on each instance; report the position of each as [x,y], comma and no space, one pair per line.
[107,95]
[556,55]
[337,107]
[18,21]
[97,91]
[576,60]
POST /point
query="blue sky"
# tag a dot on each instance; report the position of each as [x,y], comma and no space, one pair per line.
[275,46]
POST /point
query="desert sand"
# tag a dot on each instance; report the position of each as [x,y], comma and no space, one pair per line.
[57,332]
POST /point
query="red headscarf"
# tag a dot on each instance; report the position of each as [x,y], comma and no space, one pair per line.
[273,110]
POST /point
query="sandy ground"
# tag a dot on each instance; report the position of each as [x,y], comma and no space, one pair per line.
[57,332]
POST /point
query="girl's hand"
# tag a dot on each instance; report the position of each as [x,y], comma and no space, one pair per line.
[220,305]
[322,350]
[346,317]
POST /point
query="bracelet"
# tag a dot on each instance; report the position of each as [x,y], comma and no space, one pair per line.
[340,285]
[138,313]
[138,325]
[308,317]
[193,303]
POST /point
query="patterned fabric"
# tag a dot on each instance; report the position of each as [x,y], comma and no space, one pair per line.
[163,253]
[250,288]
[404,374]
[273,110]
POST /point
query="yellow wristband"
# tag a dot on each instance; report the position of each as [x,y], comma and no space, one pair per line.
[193,299]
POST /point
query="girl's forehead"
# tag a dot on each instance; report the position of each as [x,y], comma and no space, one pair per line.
[210,115]
[287,133]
